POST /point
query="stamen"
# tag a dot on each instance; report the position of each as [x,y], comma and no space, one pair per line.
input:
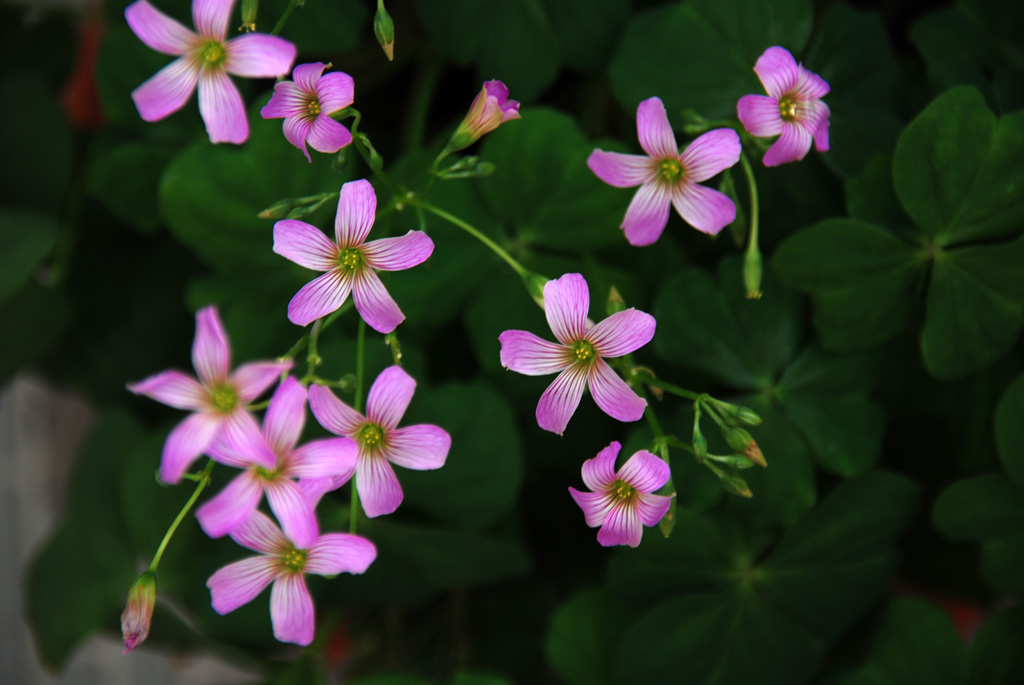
[370,436]
[670,170]
[313,107]
[225,398]
[350,258]
[294,560]
[213,53]
[583,351]
[787,108]
[623,490]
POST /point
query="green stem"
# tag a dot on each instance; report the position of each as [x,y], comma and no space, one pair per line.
[752,261]
[204,480]
[279,26]
[357,118]
[669,387]
[473,231]
[313,358]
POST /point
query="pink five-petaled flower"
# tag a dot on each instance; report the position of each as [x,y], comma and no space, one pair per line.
[380,440]
[282,427]
[792,108]
[668,177]
[578,357]
[218,399]
[205,59]
[621,500]
[306,104]
[491,108]
[349,261]
[285,564]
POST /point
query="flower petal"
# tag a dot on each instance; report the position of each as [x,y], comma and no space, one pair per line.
[379,491]
[566,305]
[760,115]
[305,245]
[622,332]
[258,55]
[777,70]
[595,505]
[810,86]
[792,146]
[293,511]
[252,379]
[647,215]
[241,582]
[706,209]
[221,107]
[654,131]
[389,397]
[296,129]
[336,553]
[241,441]
[645,472]
[173,388]
[286,416]
[327,458]
[288,100]
[211,352]
[621,527]
[316,488]
[559,401]
[229,508]
[599,472]
[710,154]
[396,254]
[327,135]
[421,448]
[357,207]
[619,170]
[373,302]
[167,91]
[305,76]
[335,91]
[523,352]
[332,413]
[320,297]
[186,442]
[613,395]
[211,17]
[291,610]
[260,534]
[157,30]
[820,132]
[652,508]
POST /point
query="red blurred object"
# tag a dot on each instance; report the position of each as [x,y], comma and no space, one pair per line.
[968,617]
[79,97]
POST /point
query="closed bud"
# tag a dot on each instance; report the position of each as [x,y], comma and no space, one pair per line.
[668,521]
[615,302]
[138,612]
[735,485]
[735,414]
[384,29]
[249,8]
[535,286]
[278,210]
[741,441]
[700,446]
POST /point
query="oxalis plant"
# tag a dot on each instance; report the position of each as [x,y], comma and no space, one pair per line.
[771,268]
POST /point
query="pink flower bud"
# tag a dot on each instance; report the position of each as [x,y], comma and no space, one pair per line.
[490,109]
[138,613]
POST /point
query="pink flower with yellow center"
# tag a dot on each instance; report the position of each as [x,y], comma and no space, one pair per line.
[204,59]
[306,104]
[668,177]
[622,502]
[792,110]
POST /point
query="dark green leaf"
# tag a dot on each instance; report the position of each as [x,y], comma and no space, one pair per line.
[583,635]
[126,180]
[979,509]
[1001,562]
[871,198]
[28,238]
[1010,431]
[33,322]
[587,30]
[995,658]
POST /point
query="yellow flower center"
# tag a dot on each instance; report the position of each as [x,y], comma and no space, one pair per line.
[583,351]
[224,398]
[350,258]
[623,491]
[313,107]
[213,53]
[294,560]
[669,170]
[787,108]
[370,436]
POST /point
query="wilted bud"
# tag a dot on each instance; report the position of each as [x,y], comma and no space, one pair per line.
[490,109]
[735,485]
[249,8]
[384,29]
[615,302]
[741,441]
[735,414]
[138,613]
[535,286]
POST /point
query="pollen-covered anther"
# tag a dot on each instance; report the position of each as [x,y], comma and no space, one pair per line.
[213,53]
[787,108]
[623,490]
[670,169]
[583,351]
[313,107]
[350,258]
[224,398]
[294,560]
[371,435]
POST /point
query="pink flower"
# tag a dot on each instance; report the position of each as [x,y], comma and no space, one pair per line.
[218,400]
[349,261]
[285,564]
[205,59]
[491,108]
[282,427]
[666,176]
[578,357]
[306,104]
[621,500]
[792,108]
[379,439]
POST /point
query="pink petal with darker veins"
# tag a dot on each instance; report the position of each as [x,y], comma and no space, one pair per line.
[211,17]
[793,145]
[820,132]
[389,397]
[167,91]
[621,527]
[613,395]
[327,135]
[711,154]
[239,583]
[647,215]
[222,109]
[566,305]
[186,442]
[523,352]
[599,472]
[288,100]
[706,209]
[645,472]
[336,553]
[291,610]
[258,55]
[620,170]
[211,352]
[373,302]
[654,131]
[157,30]
[293,511]
[229,508]
[332,413]
[252,379]
[810,86]
[286,416]
[320,297]
[305,245]
[296,130]
[421,448]
[262,535]
[397,254]
[595,505]
[305,76]
[760,115]
[357,207]
[242,442]
[652,508]
[378,486]
[622,332]
[335,91]
[559,402]
[778,71]
[327,458]
[173,388]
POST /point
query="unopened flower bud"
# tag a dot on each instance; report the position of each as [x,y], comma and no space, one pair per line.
[249,8]
[490,109]
[384,29]
[735,414]
[535,286]
[615,302]
[138,612]
[741,441]
[700,446]
[278,210]
[735,485]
